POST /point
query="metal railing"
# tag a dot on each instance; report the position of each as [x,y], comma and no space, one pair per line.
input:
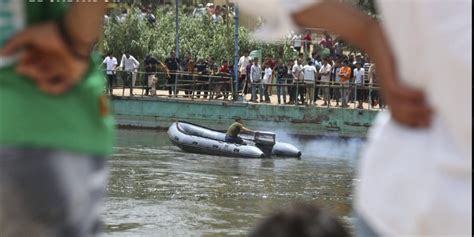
[195,86]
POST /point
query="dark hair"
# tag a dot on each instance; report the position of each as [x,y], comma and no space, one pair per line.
[237,118]
[303,220]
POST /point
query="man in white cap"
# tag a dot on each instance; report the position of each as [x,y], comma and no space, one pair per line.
[415,171]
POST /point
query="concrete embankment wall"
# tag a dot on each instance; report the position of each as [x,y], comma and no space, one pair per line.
[300,120]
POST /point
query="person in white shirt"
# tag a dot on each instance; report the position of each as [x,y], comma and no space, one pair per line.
[199,11]
[130,65]
[255,80]
[325,72]
[359,82]
[297,42]
[267,79]
[290,80]
[309,76]
[376,97]
[106,19]
[110,65]
[298,80]
[122,17]
[335,70]
[242,65]
[216,16]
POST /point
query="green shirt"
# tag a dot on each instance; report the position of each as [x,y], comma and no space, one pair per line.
[75,121]
[234,129]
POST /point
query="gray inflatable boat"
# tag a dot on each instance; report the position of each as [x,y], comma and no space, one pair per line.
[197,139]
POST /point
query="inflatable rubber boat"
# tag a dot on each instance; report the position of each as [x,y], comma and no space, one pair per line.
[197,139]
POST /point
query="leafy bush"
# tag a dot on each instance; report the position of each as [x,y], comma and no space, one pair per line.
[200,36]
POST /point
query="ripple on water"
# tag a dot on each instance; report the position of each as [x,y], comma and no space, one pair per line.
[157,190]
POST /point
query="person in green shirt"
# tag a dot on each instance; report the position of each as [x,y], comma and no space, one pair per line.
[232,134]
[55,125]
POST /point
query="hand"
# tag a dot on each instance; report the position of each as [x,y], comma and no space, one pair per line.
[45,58]
[407,106]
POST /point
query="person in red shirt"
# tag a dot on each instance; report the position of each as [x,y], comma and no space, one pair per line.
[307,39]
[269,61]
[327,42]
[224,73]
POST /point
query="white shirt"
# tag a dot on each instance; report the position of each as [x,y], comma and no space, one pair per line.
[129,64]
[309,72]
[267,77]
[243,62]
[106,19]
[297,72]
[325,69]
[216,18]
[121,18]
[297,41]
[418,182]
[255,73]
[110,63]
[358,75]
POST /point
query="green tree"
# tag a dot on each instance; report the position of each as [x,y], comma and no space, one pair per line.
[200,36]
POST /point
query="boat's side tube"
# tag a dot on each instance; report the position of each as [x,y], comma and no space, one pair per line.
[285,150]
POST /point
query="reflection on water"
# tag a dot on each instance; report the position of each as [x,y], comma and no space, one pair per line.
[155,189]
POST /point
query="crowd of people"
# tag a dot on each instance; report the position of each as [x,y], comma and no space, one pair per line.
[335,78]
[186,74]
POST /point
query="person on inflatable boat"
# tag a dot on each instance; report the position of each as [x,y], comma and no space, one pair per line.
[232,134]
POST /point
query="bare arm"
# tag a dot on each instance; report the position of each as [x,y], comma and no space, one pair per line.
[164,67]
[407,105]
[56,54]
[247,130]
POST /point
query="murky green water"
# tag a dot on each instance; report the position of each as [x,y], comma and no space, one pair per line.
[155,189]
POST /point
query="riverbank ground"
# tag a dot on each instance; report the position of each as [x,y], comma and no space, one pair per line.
[273,98]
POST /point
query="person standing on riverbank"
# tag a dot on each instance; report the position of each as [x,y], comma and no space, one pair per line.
[290,82]
[298,79]
[55,125]
[335,70]
[151,65]
[359,83]
[172,63]
[309,76]
[110,65]
[345,73]
[255,80]
[281,71]
[267,79]
[187,64]
[244,61]
[130,65]
[416,170]
[325,73]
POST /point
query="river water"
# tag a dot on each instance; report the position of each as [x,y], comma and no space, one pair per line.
[155,189]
